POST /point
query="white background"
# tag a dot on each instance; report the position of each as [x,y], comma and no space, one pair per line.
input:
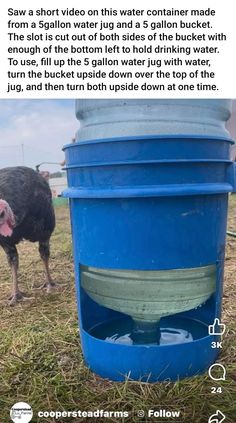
[223,64]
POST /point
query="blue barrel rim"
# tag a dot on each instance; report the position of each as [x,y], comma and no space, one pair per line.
[148,137]
[146,161]
[154,191]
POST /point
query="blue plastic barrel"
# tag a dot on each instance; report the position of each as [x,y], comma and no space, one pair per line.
[149,214]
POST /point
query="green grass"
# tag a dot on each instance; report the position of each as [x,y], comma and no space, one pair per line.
[40,354]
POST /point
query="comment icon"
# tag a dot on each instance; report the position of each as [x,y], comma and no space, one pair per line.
[217,372]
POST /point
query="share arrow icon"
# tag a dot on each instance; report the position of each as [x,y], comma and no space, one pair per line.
[219,417]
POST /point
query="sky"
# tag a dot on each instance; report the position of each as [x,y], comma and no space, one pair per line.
[34,131]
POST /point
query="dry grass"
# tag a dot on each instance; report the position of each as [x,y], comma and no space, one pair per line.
[40,354]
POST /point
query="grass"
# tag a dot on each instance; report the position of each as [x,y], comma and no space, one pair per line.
[40,354]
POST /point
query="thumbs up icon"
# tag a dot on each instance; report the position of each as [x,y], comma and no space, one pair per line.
[217,328]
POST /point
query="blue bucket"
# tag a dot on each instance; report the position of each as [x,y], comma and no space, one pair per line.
[149,203]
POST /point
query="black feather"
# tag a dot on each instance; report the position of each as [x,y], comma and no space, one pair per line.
[30,199]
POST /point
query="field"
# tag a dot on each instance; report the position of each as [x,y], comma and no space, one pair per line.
[40,354]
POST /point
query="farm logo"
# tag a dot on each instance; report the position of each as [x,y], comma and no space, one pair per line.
[21,412]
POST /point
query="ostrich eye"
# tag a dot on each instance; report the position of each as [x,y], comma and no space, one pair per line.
[2,214]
